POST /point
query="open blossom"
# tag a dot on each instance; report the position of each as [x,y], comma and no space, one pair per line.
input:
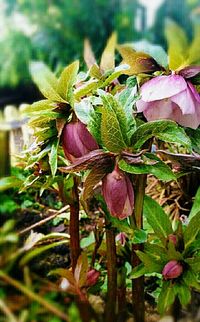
[77,141]
[170,97]
[118,193]
[172,269]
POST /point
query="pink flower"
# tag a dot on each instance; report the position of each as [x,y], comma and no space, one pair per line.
[77,141]
[170,97]
[172,269]
[118,193]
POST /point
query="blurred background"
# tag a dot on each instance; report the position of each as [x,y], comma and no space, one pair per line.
[53,31]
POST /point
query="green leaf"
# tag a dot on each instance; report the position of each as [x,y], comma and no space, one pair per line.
[194,55]
[94,126]
[127,99]
[83,109]
[9,183]
[194,136]
[108,56]
[155,51]
[190,279]
[183,292]
[66,82]
[81,269]
[87,89]
[140,236]
[192,230]
[157,251]
[196,205]
[113,124]
[151,264]
[157,219]
[166,297]
[46,81]
[38,107]
[93,178]
[119,70]
[53,157]
[160,170]
[177,44]
[194,263]
[39,250]
[172,253]
[139,62]
[138,271]
[165,130]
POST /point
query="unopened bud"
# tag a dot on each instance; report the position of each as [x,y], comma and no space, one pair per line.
[172,238]
[77,141]
[118,193]
[92,277]
[121,238]
[172,269]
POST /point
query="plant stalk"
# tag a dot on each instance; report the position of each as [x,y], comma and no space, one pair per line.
[110,310]
[138,283]
[74,226]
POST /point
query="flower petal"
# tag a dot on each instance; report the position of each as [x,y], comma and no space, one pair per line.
[158,110]
[185,100]
[162,87]
[190,71]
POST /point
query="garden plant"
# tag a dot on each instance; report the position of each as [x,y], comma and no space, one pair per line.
[103,142]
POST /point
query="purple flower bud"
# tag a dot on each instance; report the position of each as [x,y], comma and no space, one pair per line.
[172,269]
[92,277]
[172,238]
[121,238]
[77,141]
[118,193]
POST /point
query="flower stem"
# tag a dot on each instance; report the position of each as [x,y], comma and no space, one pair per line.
[74,226]
[138,283]
[110,311]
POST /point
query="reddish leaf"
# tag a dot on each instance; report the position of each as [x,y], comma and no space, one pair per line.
[80,273]
[89,160]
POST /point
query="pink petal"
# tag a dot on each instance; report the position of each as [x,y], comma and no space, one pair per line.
[194,92]
[185,100]
[187,120]
[162,87]
[142,106]
[159,110]
[189,71]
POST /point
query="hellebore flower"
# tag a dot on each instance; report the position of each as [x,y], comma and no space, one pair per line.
[170,97]
[77,141]
[118,193]
[172,269]
[92,277]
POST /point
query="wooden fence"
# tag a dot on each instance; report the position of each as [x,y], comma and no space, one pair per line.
[14,135]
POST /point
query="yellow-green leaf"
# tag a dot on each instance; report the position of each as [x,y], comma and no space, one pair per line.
[108,56]
[67,80]
[177,45]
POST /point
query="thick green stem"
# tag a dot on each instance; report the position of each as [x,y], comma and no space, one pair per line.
[110,311]
[138,284]
[74,226]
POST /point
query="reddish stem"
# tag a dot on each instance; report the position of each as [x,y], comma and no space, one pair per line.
[110,311]
[138,283]
[74,226]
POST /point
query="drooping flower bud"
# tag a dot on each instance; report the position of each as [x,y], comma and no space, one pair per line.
[172,269]
[172,238]
[92,277]
[121,238]
[77,141]
[118,193]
